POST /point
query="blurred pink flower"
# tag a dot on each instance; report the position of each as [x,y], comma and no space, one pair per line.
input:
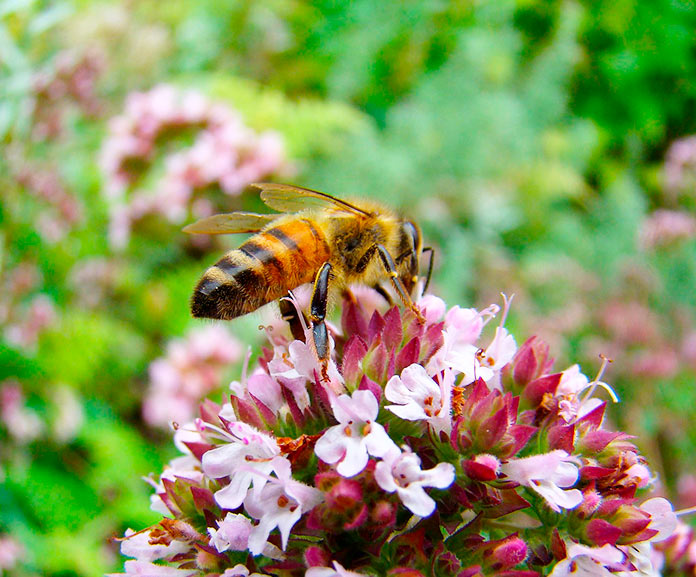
[659,363]
[192,368]
[225,153]
[93,279]
[70,81]
[24,330]
[21,422]
[686,489]
[665,227]
[680,165]
[61,210]
[11,551]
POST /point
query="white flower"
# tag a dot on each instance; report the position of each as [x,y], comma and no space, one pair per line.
[138,545]
[147,569]
[356,436]
[280,503]
[644,558]
[573,405]
[583,561]
[417,397]
[547,474]
[337,571]
[401,472]
[241,571]
[249,452]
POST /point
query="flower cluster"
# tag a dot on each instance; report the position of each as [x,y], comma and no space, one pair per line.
[680,166]
[23,319]
[225,153]
[60,419]
[72,80]
[423,448]
[192,369]
[666,227]
[61,210]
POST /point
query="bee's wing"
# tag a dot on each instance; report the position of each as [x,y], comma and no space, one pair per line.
[231,222]
[288,198]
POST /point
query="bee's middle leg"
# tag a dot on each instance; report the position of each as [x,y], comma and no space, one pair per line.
[317,314]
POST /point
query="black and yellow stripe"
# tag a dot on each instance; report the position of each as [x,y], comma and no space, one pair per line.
[262,270]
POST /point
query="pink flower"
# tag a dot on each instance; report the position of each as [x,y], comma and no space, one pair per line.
[462,329]
[547,474]
[246,458]
[665,227]
[225,153]
[280,503]
[662,517]
[11,551]
[401,472]
[232,533]
[192,368]
[419,397]
[21,422]
[356,435]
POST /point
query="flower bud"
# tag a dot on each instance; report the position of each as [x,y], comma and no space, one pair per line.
[316,557]
[482,467]
[505,553]
[528,364]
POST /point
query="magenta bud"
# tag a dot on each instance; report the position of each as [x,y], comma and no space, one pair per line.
[591,500]
[408,355]
[344,495]
[353,354]
[530,362]
[316,557]
[507,553]
[601,532]
[597,441]
[482,467]
[383,513]
[393,332]
[535,391]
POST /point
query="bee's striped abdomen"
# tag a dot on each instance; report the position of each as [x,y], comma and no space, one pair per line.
[262,270]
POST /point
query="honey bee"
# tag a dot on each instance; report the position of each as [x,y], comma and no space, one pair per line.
[315,238]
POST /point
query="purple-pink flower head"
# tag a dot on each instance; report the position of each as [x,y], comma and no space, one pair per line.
[427,444]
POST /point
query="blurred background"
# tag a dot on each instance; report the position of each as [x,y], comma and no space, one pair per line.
[546,148]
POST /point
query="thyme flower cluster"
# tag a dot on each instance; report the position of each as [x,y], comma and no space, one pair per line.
[225,153]
[426,449]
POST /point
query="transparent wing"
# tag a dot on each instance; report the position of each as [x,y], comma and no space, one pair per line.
[231,222]
[288,198]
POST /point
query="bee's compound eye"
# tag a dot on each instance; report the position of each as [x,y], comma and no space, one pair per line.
[411,230]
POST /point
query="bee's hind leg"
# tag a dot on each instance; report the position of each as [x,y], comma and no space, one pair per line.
[317,314]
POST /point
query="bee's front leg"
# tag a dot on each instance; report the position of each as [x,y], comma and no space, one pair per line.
[317,314]
[390,267]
